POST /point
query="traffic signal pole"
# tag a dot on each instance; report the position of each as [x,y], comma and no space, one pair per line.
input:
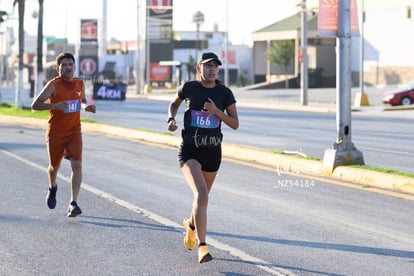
[343,151]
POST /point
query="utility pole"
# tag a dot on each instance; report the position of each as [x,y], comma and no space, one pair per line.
[304,51]
[343,151]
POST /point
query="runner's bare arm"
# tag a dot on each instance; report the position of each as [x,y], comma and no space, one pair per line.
[172,112]
[39,103]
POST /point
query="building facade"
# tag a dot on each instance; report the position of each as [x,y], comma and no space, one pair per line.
[381,50]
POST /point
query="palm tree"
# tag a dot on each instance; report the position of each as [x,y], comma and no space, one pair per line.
[198,19]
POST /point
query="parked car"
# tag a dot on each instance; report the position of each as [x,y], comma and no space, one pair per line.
[403,96]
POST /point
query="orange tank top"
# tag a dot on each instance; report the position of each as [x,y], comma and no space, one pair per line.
[64,122]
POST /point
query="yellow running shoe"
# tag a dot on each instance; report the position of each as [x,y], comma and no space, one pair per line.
[203,255]
[190,240]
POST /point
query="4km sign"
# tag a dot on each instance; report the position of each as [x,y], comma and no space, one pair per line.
[109,91]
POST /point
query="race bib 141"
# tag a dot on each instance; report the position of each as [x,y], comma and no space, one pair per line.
[73,106]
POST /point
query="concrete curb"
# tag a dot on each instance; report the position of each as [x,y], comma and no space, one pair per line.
[400,107]
[280,162]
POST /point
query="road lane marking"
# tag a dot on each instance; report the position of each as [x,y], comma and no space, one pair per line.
[259,263]
[388,151]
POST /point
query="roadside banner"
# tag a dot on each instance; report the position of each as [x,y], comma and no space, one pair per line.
[109,91]
[328,18]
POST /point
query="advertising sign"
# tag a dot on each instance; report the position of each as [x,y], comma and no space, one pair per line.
[160,20]
[159,72]
[159,7]
[89,30]
[231,57]
[88,65]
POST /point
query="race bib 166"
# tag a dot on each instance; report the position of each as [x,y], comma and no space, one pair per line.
[204,120]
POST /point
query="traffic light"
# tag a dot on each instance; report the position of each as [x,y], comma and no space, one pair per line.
[3,16]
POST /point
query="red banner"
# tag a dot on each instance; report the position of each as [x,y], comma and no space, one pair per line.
[328,18]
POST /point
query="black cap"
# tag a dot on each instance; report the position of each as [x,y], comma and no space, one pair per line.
[207,57]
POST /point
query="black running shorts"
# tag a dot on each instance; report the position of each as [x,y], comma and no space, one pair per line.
[208,157]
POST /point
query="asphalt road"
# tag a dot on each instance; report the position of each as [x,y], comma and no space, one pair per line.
[381,139]
[273,119]
[134,198]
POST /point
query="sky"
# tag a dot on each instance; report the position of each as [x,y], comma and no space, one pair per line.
[62,17]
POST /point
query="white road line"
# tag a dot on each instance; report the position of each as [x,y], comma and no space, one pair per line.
[262,264]
[387,151]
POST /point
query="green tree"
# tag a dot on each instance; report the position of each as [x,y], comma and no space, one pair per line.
[282,52]
[242,78]
[191,64]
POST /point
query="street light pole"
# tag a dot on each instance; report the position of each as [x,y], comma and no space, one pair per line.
[304,63]
[198,19]
[343,151]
